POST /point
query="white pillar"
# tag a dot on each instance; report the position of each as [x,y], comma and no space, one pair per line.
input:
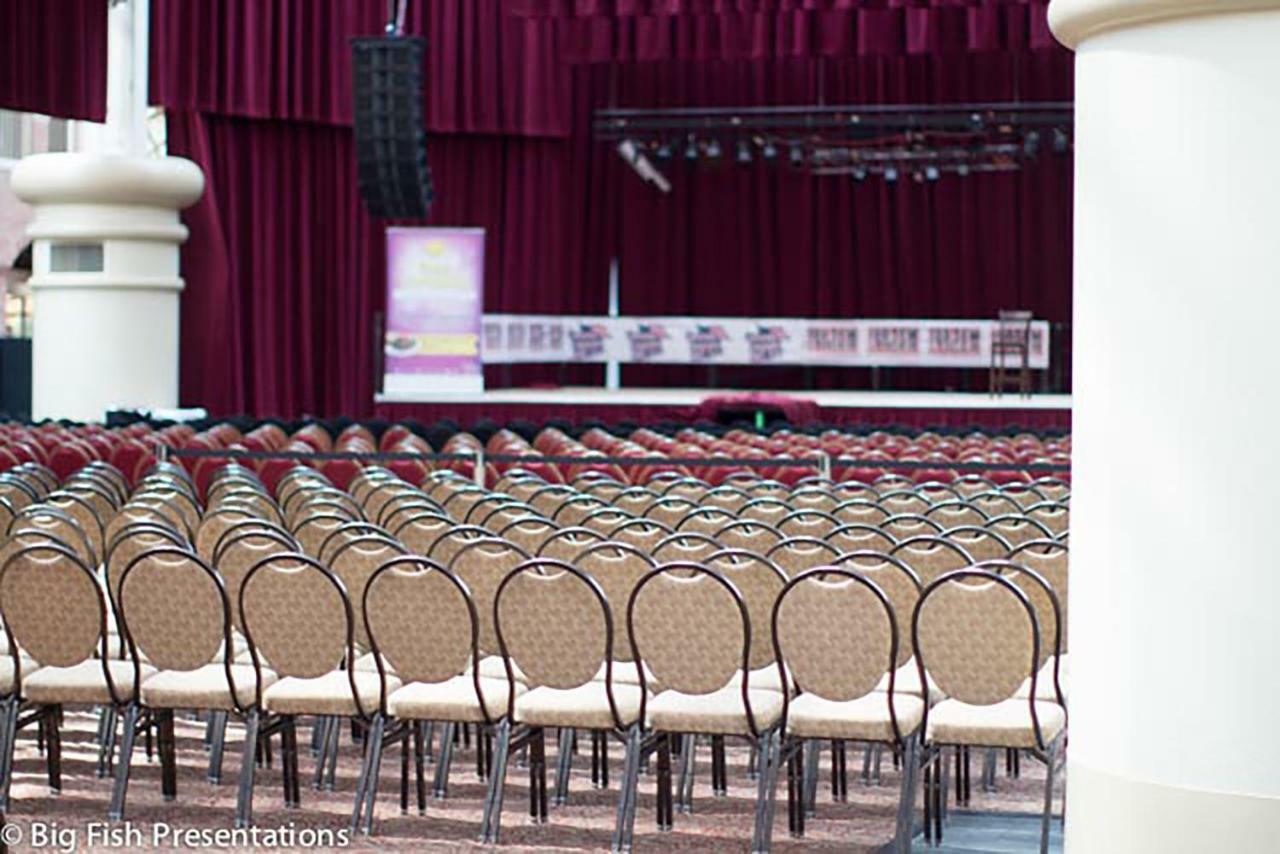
[105,259]
[105,335]
[1175,659]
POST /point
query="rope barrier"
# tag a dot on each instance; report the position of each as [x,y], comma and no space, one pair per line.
[560,459]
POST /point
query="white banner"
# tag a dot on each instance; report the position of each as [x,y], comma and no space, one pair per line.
[512,338]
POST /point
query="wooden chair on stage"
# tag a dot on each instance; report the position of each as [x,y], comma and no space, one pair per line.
[1011,353]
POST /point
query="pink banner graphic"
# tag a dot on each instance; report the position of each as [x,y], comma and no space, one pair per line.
[435,292]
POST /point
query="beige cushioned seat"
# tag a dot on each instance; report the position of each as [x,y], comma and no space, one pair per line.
[451,700]
[720,712]
[325,695]
[863,719]
[203,688]
[81,683]
[6,671]
[907,681]
[586,706]
[1004,724]
[491,667]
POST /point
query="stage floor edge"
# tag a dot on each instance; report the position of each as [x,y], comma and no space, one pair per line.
[650,405]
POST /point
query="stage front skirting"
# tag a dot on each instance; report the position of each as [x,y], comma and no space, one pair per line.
[467,414]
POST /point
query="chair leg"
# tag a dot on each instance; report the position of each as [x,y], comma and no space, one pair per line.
[688,767]
[331,752]
[406,747]
[766,785]
[1047,818]
[440,789]
[53,758]
[217,744]
[374,740]
[564,766]
[9,723]
[248,764]
[107,743]
[320,748]
[812,755]
[168,755]
[491,824]
[719,779]
[121,787]
[906,799]
[666,811]
[627,792]
[538,776]
[418,763]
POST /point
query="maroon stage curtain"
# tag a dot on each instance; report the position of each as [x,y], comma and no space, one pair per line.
[285,272]
[53,57]
[486,72]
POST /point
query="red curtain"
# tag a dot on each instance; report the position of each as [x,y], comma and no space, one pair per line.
[285,272]
[53,57]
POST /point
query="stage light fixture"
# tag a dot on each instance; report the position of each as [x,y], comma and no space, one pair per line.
[891,174]
[713,149]
[663,152]
[931,173]
[1061,142]
[1031,143]
[962,170]
[769,151]
[744,151]
[691,150]
[636,159]
[859,174]
[797,155]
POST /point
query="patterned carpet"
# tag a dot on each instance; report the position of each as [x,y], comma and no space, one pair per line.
[864,823]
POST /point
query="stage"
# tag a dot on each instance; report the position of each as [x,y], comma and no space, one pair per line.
[650,405]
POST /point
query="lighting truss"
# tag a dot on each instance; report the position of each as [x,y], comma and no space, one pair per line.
[921,140]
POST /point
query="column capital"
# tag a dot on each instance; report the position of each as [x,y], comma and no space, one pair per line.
[1073,21]
[65,178]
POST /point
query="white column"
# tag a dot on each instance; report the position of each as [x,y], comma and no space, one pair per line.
[105,258]
[1175,589]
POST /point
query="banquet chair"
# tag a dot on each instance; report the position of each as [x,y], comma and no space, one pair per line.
[904,526]
[979,543]
[644,534]
[685,546]
[853,538]
[705,520]
[808,523]
[421,620]
[931,556]
[1019,529]
[978,635]
[554,625]
[55,615]
[298,621]
[567,542]
[860,511]
[749,535]
[953,514]
[690,627]
[841,700]
[56,523]
[797,554]
[175,614]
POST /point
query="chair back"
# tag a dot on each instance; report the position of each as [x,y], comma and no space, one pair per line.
[759,581]
[897,581]
[617,568]
[682,546]
[931,557]
[355,562]
[554,624]
[174,609]
[295,613]
[797,554]
[482,565]
[52,605]
[420,618]
[837,634]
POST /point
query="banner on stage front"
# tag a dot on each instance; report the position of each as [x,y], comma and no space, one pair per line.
[511,338]
[435,310]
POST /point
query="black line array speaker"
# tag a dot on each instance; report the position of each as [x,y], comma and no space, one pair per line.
[391,141]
